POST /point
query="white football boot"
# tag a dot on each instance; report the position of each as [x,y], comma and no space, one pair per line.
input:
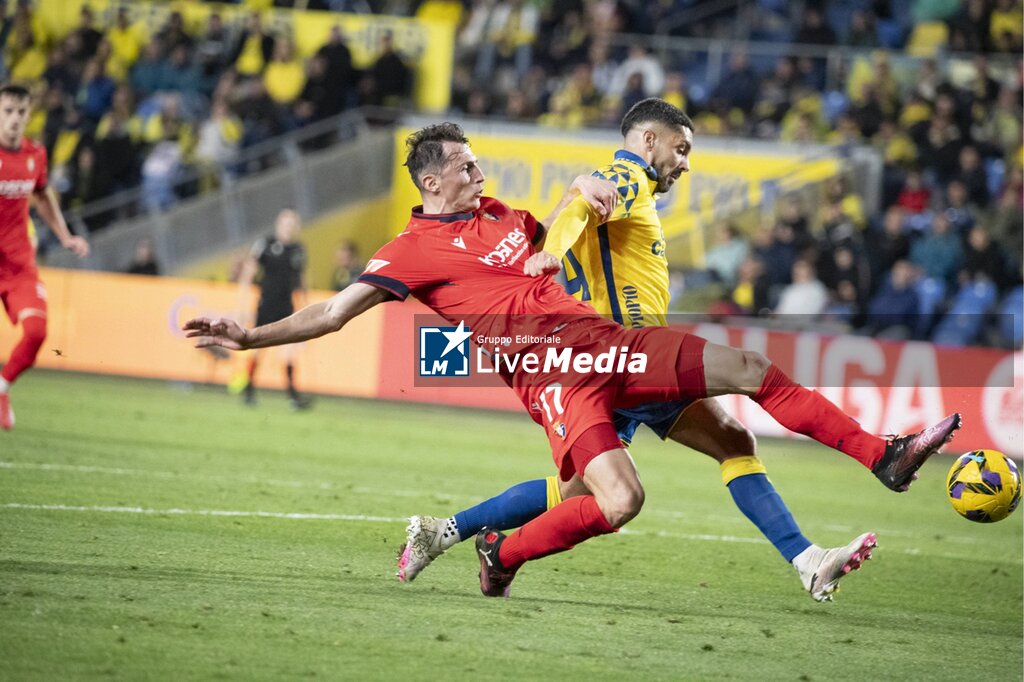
[427,537]
[821,569]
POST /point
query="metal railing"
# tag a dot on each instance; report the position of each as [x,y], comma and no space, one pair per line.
[129,203]
[291,173]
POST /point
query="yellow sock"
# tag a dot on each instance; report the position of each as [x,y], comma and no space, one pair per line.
[554,494]
[741,466]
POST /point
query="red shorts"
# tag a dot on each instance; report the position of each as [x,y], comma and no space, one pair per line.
[567,405]
[21,293]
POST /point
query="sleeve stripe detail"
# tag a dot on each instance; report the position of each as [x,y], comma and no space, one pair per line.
[609,276]
[386,283]
[538,233]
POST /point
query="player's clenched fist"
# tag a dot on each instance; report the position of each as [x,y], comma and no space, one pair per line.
[541,263]
[216,332]
[601,194]
[77,246]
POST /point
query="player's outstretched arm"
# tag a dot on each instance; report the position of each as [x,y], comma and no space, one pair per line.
[49,209]
[311,322]
[599,195]
[589,201]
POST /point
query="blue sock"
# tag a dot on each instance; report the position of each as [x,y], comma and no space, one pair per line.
[755,496]
[511,509]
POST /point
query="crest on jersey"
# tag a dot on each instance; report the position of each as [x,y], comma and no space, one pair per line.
[490,216]
[559,428]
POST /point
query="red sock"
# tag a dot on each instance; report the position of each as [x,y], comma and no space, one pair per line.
[812,414]
[556,530]
[24,354]
[252,368]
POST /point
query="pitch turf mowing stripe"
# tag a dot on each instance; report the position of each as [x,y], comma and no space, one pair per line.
[387,519]
[361,489]
[149,473]
[203,512]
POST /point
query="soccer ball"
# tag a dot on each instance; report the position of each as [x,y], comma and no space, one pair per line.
[983,486]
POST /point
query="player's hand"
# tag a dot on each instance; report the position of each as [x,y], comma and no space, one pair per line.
[218,331]
[601,194]
[541,263]
[77,246]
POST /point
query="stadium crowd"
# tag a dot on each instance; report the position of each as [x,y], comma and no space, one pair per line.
[948,237]
[169,110]
[945,250]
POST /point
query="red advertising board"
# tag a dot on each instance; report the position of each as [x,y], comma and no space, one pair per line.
[888,386]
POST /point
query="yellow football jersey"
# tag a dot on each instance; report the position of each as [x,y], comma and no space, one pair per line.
[618,266]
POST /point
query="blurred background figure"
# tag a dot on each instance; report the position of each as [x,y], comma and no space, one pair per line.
[144,260]
[277,263]
[347,266]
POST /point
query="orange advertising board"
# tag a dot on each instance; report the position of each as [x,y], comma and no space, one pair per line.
[130,325]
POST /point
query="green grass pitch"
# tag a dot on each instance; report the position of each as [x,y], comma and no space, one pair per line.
[109,569]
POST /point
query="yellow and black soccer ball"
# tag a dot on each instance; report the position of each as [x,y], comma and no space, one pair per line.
[983,486]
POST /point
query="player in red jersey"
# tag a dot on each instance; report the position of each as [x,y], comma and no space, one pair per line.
[472,259]
[23,176]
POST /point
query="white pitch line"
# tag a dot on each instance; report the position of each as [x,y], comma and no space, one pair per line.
[388,519]
[82,469]
[323,517]
[202,512]
[120,471]
[363,490]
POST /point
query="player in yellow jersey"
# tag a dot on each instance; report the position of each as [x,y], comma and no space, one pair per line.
[619,266]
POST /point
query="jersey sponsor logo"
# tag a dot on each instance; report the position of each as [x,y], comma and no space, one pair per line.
[658,247]
[16,189]
[459,242]
[375,264]
[507,251]
[631,301]
[444,351]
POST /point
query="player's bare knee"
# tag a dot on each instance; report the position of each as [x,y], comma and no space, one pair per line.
[623,505]
[753,367]
[738,440]
[746,443]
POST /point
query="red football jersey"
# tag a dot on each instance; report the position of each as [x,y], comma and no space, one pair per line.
[469,267]
[22,172]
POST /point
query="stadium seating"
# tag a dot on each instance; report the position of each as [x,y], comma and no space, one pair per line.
[798,98]
[965,320]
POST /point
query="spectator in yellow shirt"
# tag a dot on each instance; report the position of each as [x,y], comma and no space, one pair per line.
[126,42]
[1005,26]
[254,47]
[285,75]
[26,57]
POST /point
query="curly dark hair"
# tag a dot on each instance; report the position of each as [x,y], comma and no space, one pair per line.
[654,110]
[425,148]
